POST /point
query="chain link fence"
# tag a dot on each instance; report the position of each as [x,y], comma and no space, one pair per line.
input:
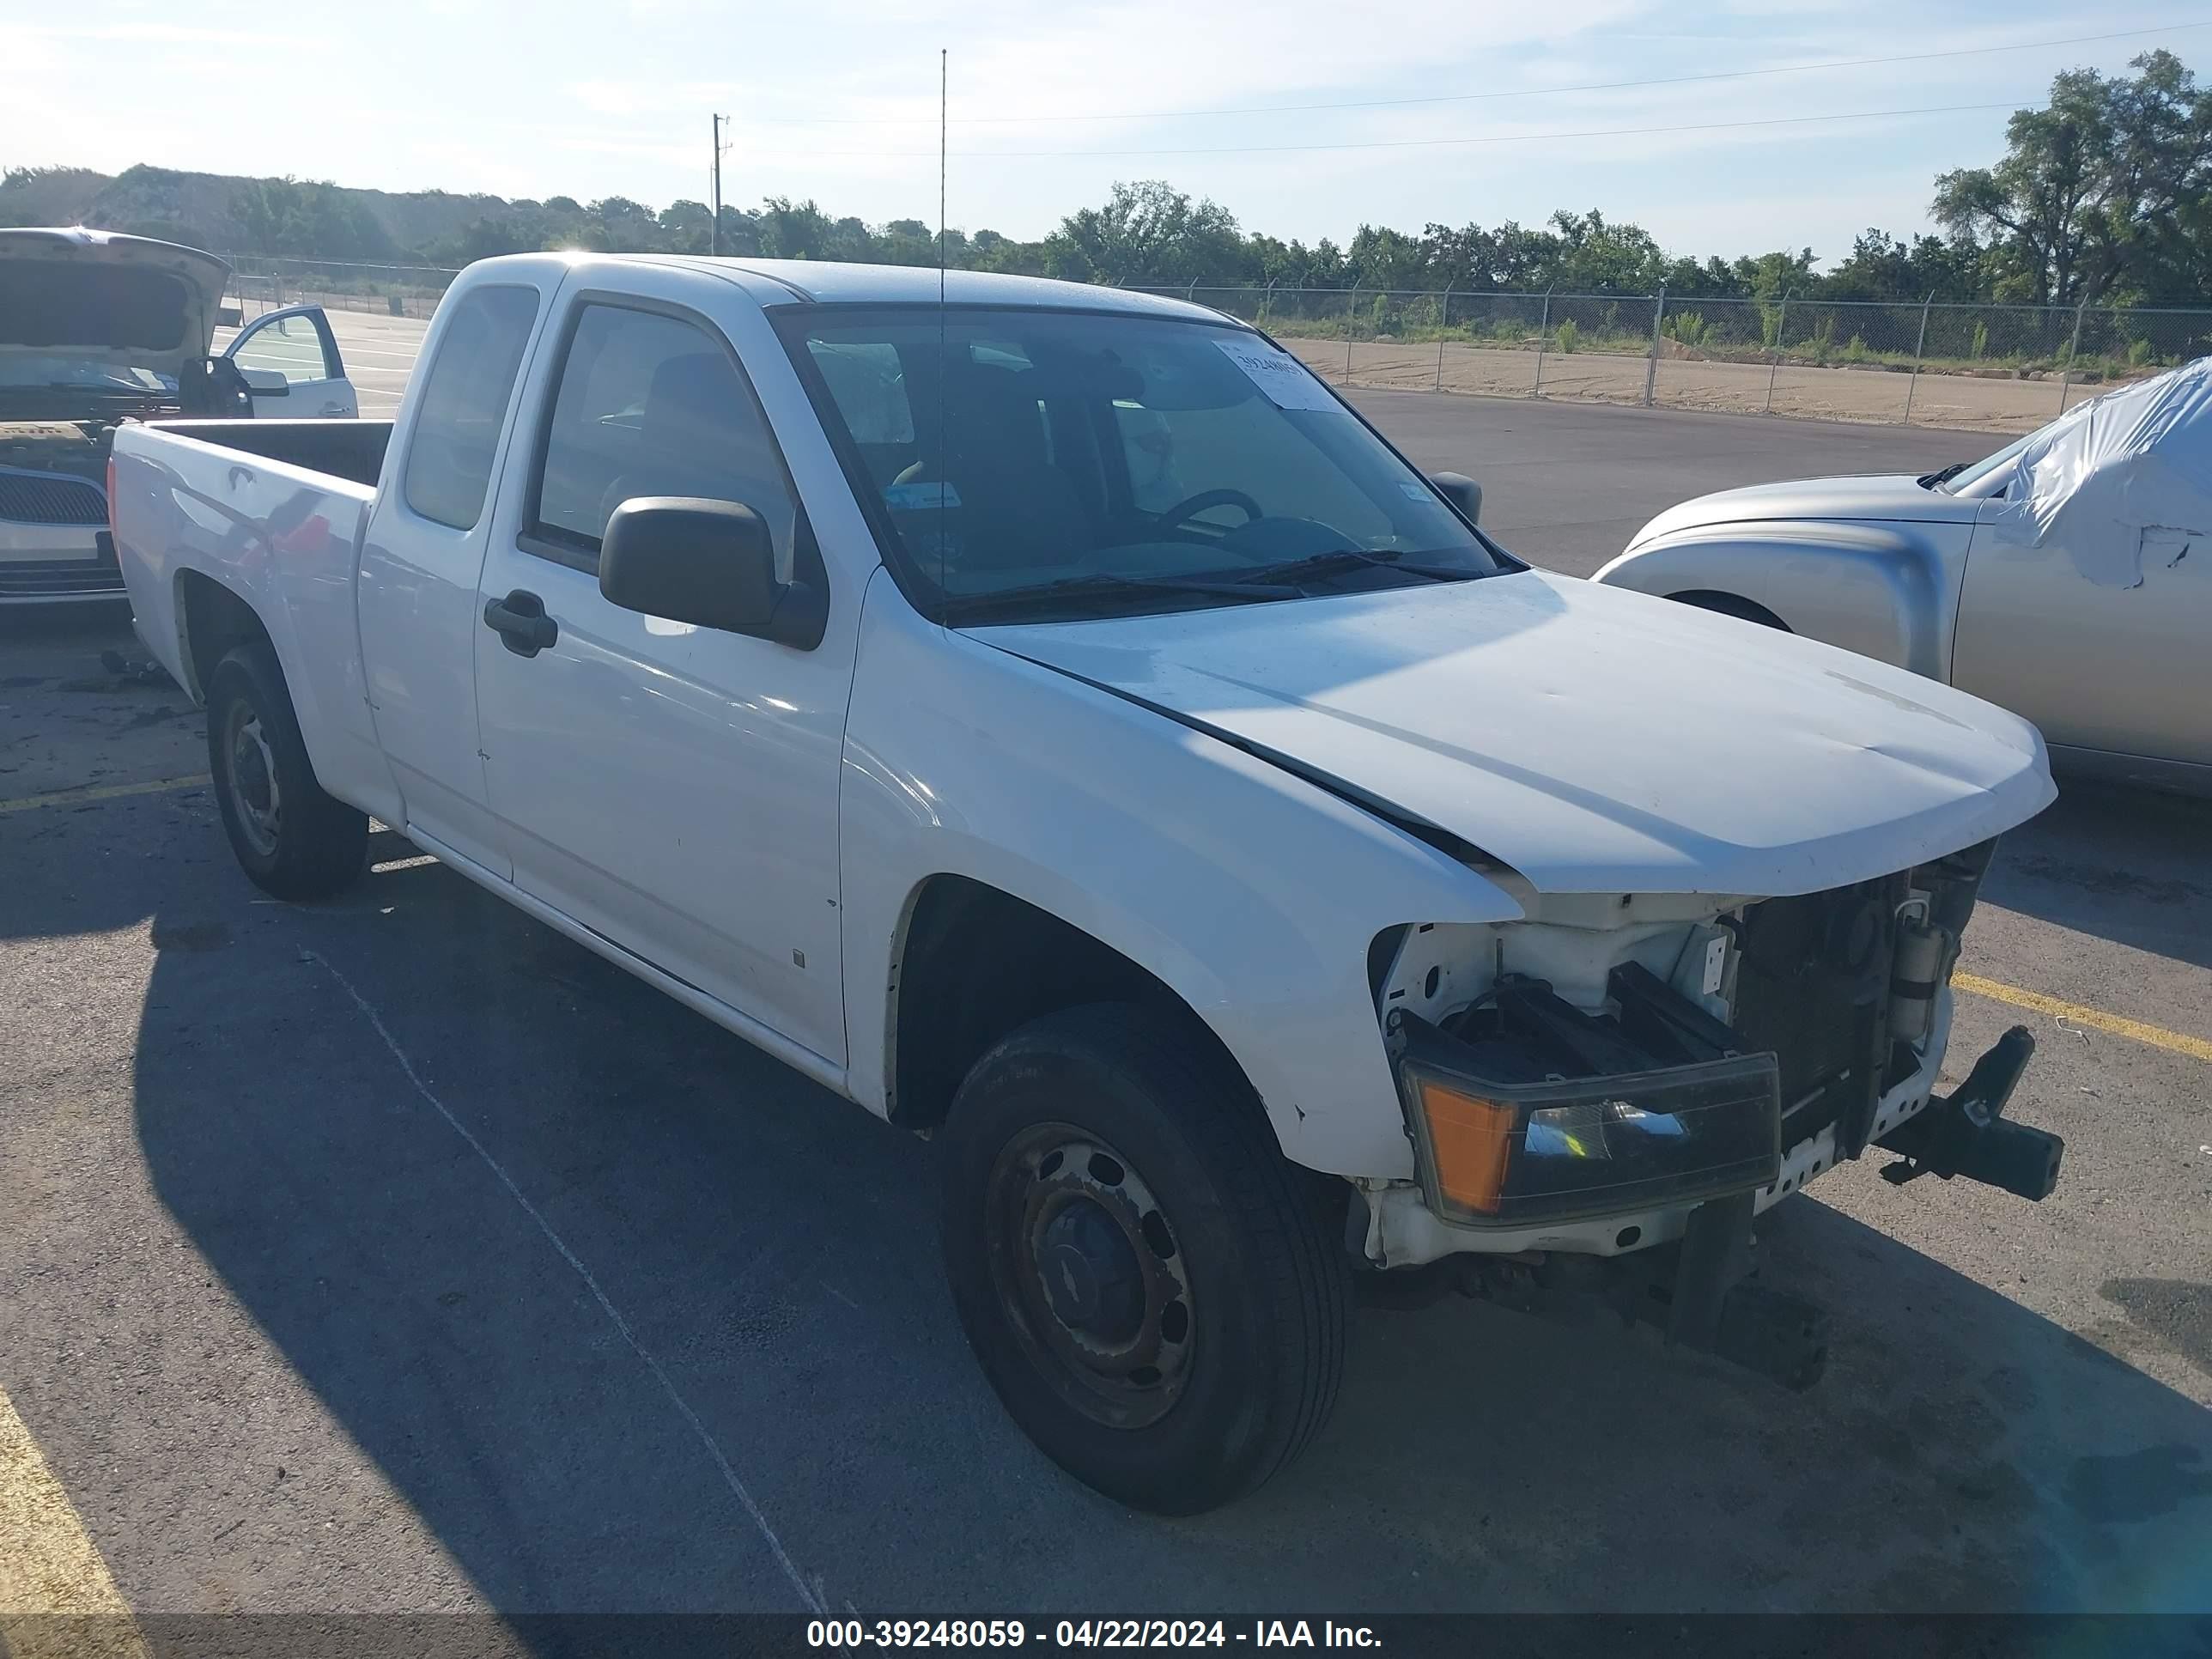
[1975,367]
[260,284]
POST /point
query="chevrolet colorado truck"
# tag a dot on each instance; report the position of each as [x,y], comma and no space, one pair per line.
[97,328]
[1048,717]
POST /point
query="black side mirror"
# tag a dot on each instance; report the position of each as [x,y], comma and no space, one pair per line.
[1461,491]
[708,562]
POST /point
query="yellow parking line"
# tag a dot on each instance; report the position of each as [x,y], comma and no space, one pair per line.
[2118,1024]
[57,1596]
[105,791]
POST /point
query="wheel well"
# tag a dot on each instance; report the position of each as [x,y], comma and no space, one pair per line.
[974,964]
[1730,604]
[216,622]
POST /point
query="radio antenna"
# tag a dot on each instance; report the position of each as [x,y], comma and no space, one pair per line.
[944,353]
[943,103]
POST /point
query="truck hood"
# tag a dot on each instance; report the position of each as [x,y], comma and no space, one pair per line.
[100,296]
[1888,496]
[1595,740]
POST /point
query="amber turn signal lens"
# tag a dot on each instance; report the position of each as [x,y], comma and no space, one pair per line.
[1471,1139]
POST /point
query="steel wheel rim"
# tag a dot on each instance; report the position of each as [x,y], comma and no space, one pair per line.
[256,800]
[1091,1275]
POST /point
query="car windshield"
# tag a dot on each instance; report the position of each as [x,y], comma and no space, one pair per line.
[1076,463]
[1963,480]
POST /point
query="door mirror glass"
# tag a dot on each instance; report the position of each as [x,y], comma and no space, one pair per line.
[266,382]
[709,563]
[1461,491]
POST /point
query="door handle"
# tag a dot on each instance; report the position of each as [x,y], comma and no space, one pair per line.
[520,621]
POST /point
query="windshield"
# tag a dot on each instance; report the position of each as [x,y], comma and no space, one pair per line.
[1960,482]
[1070,464]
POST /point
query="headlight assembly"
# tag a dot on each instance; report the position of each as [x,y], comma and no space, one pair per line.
[1506,1135]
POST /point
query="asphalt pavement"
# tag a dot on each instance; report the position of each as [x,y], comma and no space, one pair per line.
[395,1254]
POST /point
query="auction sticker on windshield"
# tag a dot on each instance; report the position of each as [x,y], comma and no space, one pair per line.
[1286,381]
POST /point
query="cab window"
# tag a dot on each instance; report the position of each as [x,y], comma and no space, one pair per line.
[651,405]
[463,403]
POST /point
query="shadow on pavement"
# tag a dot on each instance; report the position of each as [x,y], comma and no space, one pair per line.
[772,1249]
[2124,865]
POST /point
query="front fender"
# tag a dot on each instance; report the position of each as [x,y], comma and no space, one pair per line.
[1252,894]
[1886,591]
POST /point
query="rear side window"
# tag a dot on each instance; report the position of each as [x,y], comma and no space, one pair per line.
[463,403]
[651,405]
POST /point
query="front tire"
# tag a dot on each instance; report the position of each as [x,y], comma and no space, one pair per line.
[1158,1296]
[292,840]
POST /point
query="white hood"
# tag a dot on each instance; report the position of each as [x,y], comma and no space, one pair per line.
[98,295]
[1595,739]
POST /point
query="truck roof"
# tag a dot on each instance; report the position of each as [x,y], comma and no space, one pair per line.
[827,282]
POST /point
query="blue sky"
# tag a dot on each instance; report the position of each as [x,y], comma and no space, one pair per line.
[838,100]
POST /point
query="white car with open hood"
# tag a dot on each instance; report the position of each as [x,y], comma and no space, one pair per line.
[1054,720]
[97,328]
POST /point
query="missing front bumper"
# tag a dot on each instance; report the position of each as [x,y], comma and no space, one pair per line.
[1697,1286]
[1967,1132]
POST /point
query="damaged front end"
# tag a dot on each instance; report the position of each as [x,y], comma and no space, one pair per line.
[1617,1074]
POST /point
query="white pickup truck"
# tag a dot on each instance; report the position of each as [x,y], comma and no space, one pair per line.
[1053,720]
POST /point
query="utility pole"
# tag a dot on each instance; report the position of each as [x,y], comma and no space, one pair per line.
[714,224]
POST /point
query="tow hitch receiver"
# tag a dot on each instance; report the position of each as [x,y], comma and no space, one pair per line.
[1965,1134]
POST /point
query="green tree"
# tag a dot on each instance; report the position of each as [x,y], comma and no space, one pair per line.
[1881,266]
[1148,234]
[1595,255]
[685,226]
[2100,191]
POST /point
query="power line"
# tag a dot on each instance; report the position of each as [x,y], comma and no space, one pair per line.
[1434,143]
[1519,92]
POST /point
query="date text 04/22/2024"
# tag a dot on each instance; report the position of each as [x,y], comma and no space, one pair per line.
[1086,1633]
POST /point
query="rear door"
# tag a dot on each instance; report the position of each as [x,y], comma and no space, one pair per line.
[296,347]
[424,549]
[671,787]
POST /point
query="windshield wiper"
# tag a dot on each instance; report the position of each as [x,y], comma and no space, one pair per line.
[1105,585]
[1938,479]
[1343,559]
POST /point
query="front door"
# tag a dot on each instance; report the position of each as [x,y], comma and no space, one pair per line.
[296,347]
[2095,665]
[671,787]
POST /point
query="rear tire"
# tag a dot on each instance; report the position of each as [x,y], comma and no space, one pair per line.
[292,840]
[1158,1297]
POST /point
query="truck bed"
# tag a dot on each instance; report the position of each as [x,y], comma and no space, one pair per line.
[345,449]
[272,512]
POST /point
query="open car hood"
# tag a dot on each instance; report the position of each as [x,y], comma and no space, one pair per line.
[100,296]
[1594,739]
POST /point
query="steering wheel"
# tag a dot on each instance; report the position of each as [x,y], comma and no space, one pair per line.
[1205,498]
